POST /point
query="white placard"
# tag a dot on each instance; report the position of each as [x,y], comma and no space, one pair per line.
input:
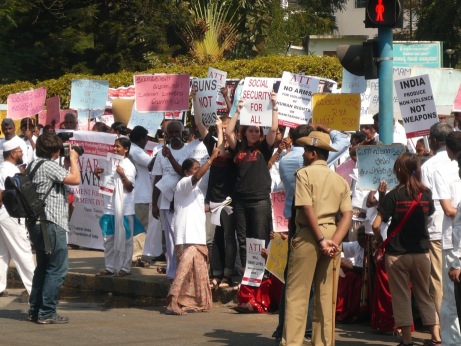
[294,98]
[254,269]
[417,105]
[221,76]
[257,108]
[207,93]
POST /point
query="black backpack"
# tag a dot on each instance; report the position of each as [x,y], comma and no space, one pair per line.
[20,196]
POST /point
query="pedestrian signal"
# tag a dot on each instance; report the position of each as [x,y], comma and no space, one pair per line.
[384,14]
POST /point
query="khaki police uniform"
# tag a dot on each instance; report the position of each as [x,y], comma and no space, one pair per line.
[327,192]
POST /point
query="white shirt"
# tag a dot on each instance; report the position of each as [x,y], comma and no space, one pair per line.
[189,213]
[198,151]
[29,155]
[162,167]
[447,185]
[23,148]
[427,177]
[128,197]
[457,239]
[355,252]
[142,190]
[7,169]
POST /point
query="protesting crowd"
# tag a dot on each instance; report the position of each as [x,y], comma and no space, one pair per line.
[353,255]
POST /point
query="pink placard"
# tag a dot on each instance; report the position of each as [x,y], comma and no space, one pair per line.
[52,110]
[162,93]
[280,223]
[457,103]
[26,104]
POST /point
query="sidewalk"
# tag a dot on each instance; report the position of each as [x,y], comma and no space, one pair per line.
[85,263]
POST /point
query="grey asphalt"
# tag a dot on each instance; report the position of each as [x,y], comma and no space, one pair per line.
[108,311]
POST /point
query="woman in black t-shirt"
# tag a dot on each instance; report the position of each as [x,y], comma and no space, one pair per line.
[252,205]
[407,255]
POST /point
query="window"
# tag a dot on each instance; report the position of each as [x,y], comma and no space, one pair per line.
[360,3]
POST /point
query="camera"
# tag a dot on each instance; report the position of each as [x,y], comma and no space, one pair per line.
[65,149]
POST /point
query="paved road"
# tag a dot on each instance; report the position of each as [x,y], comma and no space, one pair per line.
[107,320]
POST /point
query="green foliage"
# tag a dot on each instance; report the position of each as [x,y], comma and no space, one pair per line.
[270,66]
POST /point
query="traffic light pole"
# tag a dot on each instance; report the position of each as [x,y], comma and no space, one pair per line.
[386,85]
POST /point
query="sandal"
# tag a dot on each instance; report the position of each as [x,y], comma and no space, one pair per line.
[225,282]
[140,263]
[214,283]
[432,342]
[161,270]
[122,273]
[104,272]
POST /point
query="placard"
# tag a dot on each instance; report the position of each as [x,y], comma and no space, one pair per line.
[150,121]
[207,90]
[279,222]
[26,104]
[417,105]
[294,98]
[257,108]
[254,269]
[53,111]
[106,183]
[221,76]
[162,92]
[338,111]
[88,94]
[278,257]
[375,163]
[457,102]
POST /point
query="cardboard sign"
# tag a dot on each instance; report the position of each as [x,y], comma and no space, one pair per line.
[107,183]
[162,92]
[257,109]
[279,222]
[150,121]
[417,105]
[231,86]
[88,94]
[278,257]
[26,104]
[375,163]
[338,111]
[254,268]
[294,98]
[207,90]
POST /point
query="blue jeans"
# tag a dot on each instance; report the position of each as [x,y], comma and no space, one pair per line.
[50,271]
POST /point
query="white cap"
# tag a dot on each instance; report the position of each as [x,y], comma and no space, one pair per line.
[12,144]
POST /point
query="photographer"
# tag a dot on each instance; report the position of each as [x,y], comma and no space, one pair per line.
[51,268]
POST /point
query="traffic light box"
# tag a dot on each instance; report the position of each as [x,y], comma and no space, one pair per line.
[384,14]
[360,59]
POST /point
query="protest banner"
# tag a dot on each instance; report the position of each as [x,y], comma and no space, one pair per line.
[278,257]
[119,93]
[279,222]
[257,108]
[338,111]
[221,76]
[254,268]
[352,84]
[162,92]
[207,90]
[294,98]
[88,202]
[417,105]
[88,94]
[375,163]
[457,101]
[150,121]
[53,111]
[26,103]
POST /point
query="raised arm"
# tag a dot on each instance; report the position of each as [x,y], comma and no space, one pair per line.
[231,137]
[220,144]
[225,93]
[270,137]
[202,170]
